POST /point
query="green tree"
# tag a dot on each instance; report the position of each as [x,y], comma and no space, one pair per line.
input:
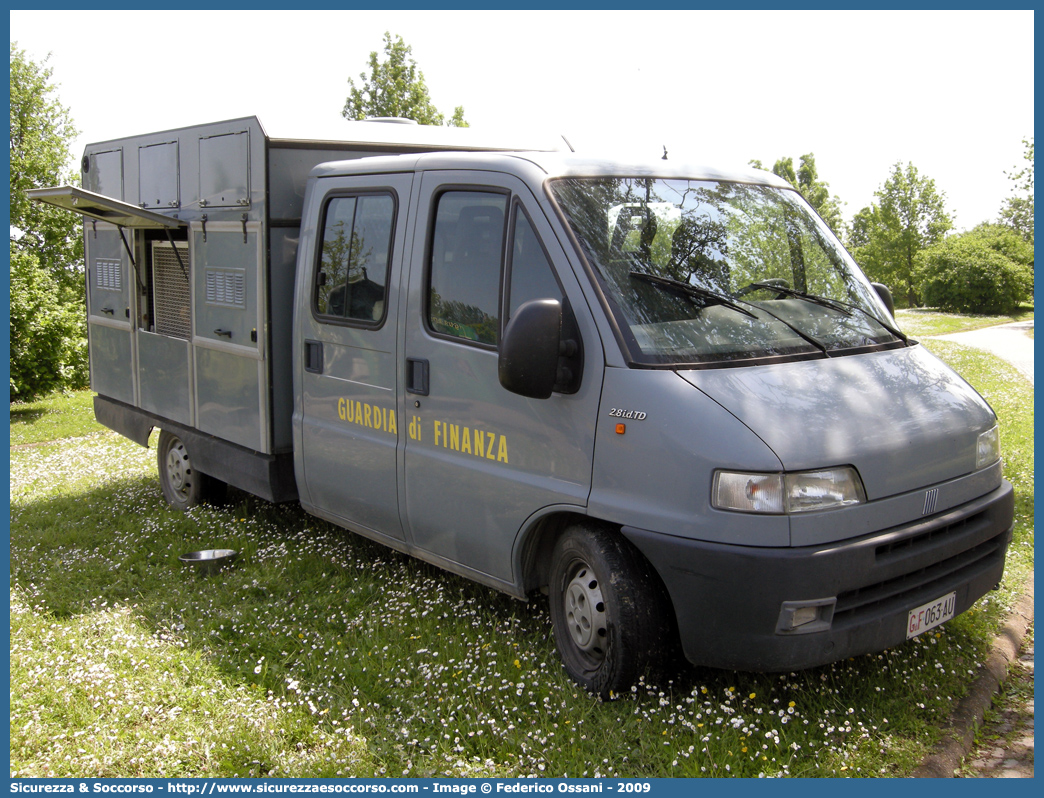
[395,87]
[815,191]
[986,270]
[1017,211]
[41,132]
[909,216]
[48,344]
[858,234]
[48,325]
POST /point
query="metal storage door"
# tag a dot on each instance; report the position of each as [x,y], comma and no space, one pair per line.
[110,286]
[231,399]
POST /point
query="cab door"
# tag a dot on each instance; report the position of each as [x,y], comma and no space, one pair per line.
[349,421]
[479,460]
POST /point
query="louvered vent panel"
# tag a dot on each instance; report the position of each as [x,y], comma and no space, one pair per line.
[173,309]
[108,274]
[226,288]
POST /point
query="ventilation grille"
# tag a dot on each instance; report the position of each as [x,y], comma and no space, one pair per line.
[172,308]
[226,288]
[904,589]
[108,274]
[926,539]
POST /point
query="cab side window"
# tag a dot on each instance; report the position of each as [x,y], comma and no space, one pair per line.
[352,277]
[466,254]
[531,274]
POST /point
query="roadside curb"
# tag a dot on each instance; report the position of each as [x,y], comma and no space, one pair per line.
[958,735]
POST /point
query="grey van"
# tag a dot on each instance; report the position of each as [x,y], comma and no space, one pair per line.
[662,394]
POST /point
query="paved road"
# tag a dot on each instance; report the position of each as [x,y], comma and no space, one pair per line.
[1008,341]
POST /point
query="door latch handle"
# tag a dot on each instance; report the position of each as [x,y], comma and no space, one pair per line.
[226,333]
[108,310]
[313,357]
[417,376]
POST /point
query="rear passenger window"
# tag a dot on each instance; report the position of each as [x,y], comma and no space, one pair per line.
[352,279]
[466,254]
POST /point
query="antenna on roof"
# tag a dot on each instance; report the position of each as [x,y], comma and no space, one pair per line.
[664,153]
[568,143]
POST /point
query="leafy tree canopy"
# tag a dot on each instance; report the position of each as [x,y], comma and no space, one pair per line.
[815,191]
[41,132]
[48,326]
[1017,211]
[909,216]
[986,270]
[395,87]
[48,342]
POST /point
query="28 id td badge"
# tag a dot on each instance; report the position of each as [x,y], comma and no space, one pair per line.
[619,412]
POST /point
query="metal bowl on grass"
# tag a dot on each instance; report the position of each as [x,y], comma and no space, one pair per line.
[209,561]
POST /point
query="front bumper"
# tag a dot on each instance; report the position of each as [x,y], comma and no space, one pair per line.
[728,599]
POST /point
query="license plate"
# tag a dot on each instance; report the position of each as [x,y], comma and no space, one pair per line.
[930,615]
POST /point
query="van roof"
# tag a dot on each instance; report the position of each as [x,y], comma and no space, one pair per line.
[398,131]
[552,164]
[347,135]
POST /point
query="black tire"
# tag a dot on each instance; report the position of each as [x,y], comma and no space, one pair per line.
[610,614]
[183,486]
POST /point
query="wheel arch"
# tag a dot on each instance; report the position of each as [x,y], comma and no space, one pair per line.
[535,543]
[533,553]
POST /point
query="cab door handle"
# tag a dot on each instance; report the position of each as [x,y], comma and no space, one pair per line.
[313,357]
[417,376]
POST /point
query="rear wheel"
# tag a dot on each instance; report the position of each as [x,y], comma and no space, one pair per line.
[183,486]
[610,616]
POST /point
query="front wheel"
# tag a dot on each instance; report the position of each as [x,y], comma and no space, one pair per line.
[184,486]
[609,613]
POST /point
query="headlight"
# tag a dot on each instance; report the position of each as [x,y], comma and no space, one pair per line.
[987,449]
[749,493]
[822,490]
[799,492]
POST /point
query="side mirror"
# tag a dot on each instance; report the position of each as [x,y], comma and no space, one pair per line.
[886,296]
[529,350]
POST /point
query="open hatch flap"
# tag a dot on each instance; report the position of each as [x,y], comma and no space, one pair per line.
[102,208]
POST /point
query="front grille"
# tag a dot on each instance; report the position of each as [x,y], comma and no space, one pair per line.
[900,590]
[915,543]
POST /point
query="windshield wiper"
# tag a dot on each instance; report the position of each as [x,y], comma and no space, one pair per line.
[695,290]
[691,290]
[834,304]
[893,330]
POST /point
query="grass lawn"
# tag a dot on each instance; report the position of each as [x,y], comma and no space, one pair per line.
[920,322]
[57,416]
[320,653]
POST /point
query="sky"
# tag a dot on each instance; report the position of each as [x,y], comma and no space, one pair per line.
[950,91]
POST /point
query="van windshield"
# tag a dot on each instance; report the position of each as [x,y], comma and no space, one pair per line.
[711,272]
